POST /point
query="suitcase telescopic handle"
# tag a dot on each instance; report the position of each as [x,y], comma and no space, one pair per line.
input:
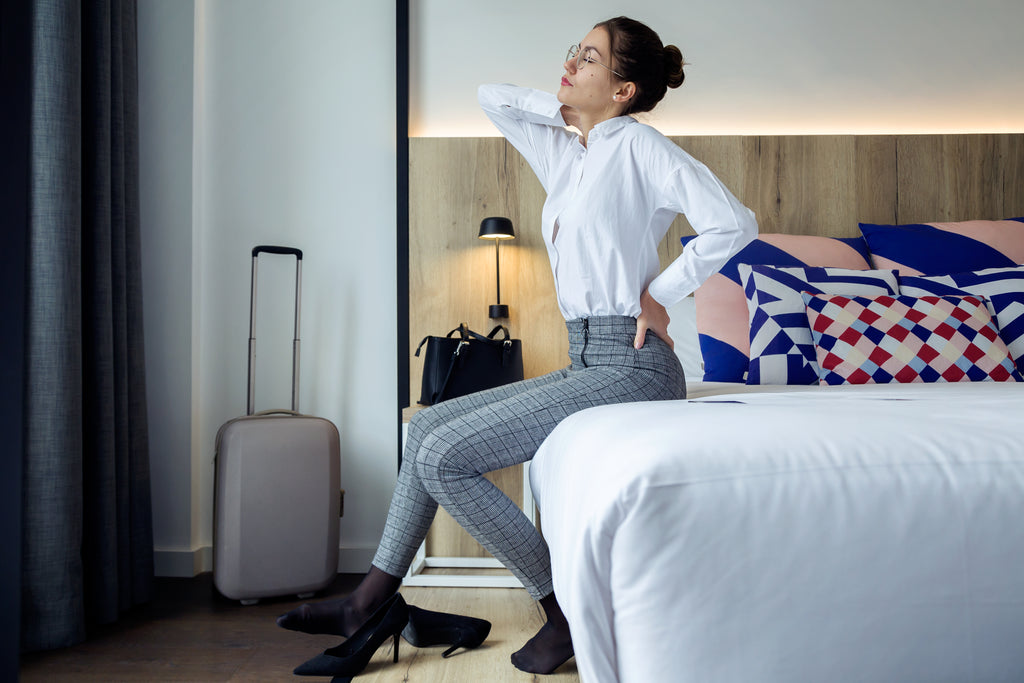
[271,249]
[285,251]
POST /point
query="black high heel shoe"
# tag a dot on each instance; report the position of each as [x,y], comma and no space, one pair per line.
[427,628]
[352,656]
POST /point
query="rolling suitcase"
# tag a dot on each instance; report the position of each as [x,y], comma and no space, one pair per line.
[276,501]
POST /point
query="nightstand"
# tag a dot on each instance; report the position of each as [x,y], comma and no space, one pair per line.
[487,577]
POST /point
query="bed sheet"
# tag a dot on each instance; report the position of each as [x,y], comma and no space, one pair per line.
[701,389]
[841,533]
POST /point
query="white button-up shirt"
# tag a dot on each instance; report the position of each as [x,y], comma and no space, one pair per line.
[611,202]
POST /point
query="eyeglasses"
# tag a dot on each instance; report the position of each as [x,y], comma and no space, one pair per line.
[584,57]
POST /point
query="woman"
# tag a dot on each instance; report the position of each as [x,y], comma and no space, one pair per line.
[613,190]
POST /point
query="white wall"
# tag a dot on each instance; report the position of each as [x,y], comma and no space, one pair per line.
[273,121]
[165,160]
[757,67]
[291,142]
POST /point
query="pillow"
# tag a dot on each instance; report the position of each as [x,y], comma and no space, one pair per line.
[1002,287]
[781,348]
[682,328]
[939,248]
[861,340]
[722,319]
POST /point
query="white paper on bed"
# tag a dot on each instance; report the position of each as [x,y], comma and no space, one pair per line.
[853,533]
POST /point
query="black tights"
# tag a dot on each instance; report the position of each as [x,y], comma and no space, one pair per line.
[543,653]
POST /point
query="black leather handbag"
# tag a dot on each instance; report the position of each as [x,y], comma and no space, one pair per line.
[459,365]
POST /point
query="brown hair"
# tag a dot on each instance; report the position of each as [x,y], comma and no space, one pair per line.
[641,57]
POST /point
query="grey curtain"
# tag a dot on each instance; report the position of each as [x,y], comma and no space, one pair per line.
[87,526]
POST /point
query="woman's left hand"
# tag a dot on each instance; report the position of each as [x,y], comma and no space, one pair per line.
[653,317]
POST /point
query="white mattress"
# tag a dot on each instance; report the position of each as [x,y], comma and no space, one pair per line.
[803,534]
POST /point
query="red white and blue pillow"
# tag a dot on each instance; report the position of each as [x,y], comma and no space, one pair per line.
[1003,288]
[781,346]
[721,307]
[939,248]
[862,340]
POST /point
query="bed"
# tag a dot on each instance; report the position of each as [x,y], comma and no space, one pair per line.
[804,531]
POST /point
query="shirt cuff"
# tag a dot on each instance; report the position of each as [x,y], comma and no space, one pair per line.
[664,294]
[533,106]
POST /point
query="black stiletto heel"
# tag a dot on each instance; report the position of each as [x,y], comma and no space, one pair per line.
[352,656]
[426,629]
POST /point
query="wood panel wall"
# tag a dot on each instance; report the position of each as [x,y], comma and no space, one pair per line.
[812,185]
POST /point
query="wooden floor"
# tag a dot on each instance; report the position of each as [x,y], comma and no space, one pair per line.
[189,633]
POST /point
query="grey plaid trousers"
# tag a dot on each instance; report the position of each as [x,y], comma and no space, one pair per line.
[451,445]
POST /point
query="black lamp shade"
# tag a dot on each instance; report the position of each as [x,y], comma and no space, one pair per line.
[496,228]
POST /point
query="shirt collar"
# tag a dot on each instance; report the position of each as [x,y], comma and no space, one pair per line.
[610,126]
[606,128]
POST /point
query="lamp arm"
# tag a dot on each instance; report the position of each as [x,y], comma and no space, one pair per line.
[497,270]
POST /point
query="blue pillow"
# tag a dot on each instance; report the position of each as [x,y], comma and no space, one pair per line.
[942,248]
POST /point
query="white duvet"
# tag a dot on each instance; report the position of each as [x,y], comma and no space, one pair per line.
[828,534]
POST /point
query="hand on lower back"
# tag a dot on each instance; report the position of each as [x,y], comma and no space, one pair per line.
[653,317]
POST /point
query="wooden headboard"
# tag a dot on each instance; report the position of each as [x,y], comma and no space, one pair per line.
[809,185]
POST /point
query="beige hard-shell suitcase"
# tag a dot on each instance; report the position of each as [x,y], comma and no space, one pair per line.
[277,496]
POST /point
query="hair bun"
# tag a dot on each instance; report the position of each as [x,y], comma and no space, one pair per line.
[673,66]
[640,56]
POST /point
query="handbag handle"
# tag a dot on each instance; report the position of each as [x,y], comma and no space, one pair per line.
[462,329]
[503,329]
[507,339]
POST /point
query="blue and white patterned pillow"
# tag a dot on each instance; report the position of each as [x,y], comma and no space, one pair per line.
[781,347]
[1003,288]
[722,318]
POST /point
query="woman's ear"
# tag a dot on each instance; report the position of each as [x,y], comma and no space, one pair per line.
[625,92]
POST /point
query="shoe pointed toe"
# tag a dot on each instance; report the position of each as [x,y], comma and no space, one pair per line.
[351,657]
[321,665]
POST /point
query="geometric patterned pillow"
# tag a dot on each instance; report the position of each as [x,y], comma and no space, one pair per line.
[904,339]
[722,318]
[1002,287]
[940,248]
[781,347]
[1009,310]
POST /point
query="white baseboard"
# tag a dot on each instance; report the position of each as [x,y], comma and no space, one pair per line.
[189,563]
